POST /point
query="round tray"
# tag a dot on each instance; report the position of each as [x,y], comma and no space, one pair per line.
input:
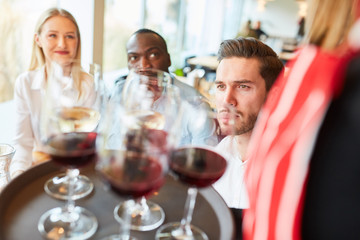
[23,201]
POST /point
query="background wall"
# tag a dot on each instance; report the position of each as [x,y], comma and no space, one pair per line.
[279,18]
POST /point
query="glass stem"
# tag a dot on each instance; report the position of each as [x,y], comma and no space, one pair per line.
[125,227]
[72,175]
[144,207]
[124,232]
[188,210]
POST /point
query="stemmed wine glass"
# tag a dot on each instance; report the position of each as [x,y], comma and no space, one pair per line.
[197,165]
[74,112]
[148,95]
[68,133]
[133,152]
[6,154]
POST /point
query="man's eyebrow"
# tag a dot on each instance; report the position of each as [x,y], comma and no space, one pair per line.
[153,48]
[242,81]
[147,50]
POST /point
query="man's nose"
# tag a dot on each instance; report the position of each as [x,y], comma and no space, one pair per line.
[229,98]
[145,63]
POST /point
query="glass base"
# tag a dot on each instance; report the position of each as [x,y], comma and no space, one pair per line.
[119,237]
[58,187]
[173,231]
[57,223]
[142,219]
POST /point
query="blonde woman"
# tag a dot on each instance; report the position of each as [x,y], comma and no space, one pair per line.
[56,38]
[303,171]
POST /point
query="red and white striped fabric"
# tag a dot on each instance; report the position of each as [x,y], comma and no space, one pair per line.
[282,144]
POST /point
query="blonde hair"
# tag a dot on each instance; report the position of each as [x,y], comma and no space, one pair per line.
[329,21]
[38,57]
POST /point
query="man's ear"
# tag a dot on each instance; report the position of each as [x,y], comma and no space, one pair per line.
[169,60]
[37,40]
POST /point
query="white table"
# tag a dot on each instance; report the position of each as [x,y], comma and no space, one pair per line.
[205,61]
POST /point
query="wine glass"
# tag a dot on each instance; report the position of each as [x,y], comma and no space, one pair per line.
[6,154]
[197,165]
[67,129]
[151,99]
[133,157]
[72,112]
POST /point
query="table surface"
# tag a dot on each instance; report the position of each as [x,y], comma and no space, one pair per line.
[287,55]
[289,47]
[23,201]
[205,61]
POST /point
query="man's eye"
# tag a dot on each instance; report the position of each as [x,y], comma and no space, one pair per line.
[70,36]
[52,35]
[132,58]
[220,86]
[153,55]
[243,86]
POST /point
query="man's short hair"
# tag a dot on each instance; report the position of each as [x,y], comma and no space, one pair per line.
[146,30]
[270,64]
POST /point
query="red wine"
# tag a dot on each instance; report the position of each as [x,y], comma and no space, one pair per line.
[146,140]
[197,166]
[137,176]
[72,149]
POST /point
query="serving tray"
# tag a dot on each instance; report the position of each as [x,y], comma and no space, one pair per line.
[23,201]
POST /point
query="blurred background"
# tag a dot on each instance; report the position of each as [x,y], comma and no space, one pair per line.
[191,29]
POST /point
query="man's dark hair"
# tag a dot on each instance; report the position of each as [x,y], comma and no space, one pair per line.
[270,64]
[146,30]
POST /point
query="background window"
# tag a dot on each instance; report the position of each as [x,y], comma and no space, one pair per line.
[122,18]
[189,27]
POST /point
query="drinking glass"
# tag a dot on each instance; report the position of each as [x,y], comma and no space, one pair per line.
[151,99]
[197,165]
[133,158]
[67,127]
[72,112]
[6,154]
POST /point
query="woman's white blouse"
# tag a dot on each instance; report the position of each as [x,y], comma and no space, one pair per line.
[28,96]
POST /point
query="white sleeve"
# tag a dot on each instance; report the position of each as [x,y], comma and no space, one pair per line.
[24,137]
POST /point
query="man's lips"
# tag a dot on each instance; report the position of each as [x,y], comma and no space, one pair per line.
[226,117]
[225,113]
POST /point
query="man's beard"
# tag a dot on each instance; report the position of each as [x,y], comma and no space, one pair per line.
[241,126]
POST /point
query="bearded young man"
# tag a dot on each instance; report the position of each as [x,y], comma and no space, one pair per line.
[245,74]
